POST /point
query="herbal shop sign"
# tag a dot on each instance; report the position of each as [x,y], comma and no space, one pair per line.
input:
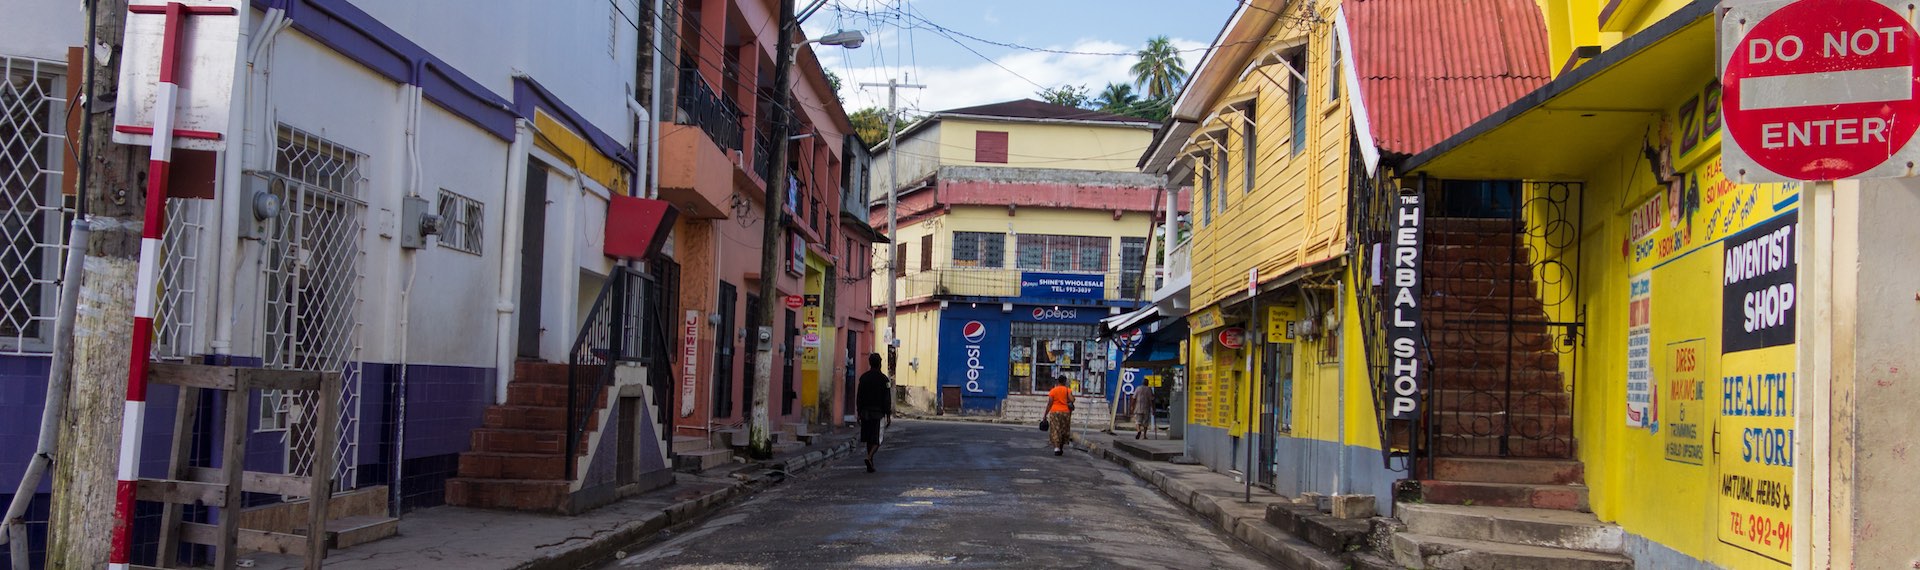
[1403,309]
[1819,90]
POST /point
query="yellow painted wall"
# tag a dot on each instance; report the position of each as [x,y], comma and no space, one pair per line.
[1049,145]
[919,333]
[1634,480]
[1034,221]
[1295,214]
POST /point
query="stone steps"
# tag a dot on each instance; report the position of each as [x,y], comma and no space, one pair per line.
[701,460]
[1420,551]
[1509,470]
[1559,497]
[349,532]
[1531,527]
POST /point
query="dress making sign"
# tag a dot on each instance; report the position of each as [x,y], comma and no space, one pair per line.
[1403,308]
[1784,116]
[1062,285]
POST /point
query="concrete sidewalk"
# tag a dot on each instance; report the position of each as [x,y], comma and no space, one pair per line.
[477,539]
[1222,500]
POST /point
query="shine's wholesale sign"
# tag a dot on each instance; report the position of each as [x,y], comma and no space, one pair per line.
[1403,305]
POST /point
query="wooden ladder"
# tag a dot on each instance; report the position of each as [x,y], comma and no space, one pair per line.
[225,486]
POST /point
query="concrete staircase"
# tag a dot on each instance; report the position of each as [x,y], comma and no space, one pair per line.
[1558,484]
[693,454]
[518,457]
[1089,411]
[1472,537]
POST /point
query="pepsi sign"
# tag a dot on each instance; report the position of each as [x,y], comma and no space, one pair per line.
[973,332]
[973,354]
[1055,314]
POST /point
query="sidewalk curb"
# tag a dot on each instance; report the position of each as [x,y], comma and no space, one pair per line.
[1225,513]
[604,545]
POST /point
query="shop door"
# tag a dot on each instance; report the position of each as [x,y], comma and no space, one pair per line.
[723,354]
[788,358]
[1276,397]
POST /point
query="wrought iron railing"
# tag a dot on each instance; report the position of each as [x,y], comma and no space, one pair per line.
[763,154]
[1373,200]
[627,323]
[700,106]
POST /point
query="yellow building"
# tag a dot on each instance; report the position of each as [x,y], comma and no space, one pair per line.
[1281,131]
[1021,225]
[1660,280]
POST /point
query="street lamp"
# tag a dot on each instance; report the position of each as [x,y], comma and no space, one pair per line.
[759,432]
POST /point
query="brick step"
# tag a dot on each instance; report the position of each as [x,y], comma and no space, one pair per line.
[1496,379]
[1470,445]
[1521,286]
[1472,225]
[1498,470]
[1425,551]
[1522,425]
[1478,254]
[1556,497]
[1532,527]
[1491,336]
[1470,401]
[531,418]
[527,466]
[490,440]
[521,495]
[1458,267]
[532,372]
[552,396]
[1447,357]
[1522,307]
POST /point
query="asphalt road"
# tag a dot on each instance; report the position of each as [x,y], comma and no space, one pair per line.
[952,495]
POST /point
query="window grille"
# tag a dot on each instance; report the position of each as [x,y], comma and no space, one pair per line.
[979,249]
[464,220]
[33,212]
[312,259]
[1063,253]
[1133,265]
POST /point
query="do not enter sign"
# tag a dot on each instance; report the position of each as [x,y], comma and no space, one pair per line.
[1819,90]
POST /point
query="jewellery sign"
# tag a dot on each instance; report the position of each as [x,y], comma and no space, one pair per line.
[1403,300]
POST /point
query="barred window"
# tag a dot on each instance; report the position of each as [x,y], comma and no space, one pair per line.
[979,249]
[1063,253]
[1133,264]
[462,220]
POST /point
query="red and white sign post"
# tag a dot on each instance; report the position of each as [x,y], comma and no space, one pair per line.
[1819,90]
[173,64]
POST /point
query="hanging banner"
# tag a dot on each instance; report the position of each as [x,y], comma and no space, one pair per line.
[1403,322]
[689,361]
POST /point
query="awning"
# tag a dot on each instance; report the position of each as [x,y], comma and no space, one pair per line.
[1160,345]
[1563,129]
[1111,326]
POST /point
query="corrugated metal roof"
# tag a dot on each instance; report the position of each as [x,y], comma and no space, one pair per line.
[1429,68]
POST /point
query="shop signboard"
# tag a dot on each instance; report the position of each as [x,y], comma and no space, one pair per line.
[1034,284]
[974,355]
[1404,332]
[1784,116]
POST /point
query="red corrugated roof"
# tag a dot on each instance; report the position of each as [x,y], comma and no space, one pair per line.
[1430,68]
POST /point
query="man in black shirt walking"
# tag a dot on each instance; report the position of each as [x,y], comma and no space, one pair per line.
[876,404]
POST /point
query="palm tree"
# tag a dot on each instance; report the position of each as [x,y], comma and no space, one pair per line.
[1160,69]
[1117,98]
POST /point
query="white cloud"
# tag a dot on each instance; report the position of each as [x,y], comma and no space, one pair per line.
[981,82]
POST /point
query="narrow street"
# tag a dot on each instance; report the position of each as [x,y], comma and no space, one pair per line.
[953,495]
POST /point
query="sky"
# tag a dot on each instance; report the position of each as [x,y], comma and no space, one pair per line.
[925,42]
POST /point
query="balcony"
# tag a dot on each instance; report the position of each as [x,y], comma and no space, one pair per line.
[700,106]
[1005,283]
[1179,272]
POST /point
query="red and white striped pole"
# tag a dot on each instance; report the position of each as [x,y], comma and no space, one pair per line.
[159,158]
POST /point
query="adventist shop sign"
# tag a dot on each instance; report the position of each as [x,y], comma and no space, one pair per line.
[1062,286]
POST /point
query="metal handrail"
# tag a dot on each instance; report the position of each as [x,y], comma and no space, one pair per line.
[612,333]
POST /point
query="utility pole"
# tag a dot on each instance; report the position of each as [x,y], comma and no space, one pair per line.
[760,433]
[84,483]
[893,218]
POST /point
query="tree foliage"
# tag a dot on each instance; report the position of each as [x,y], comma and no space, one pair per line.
[1069,95]
[871,124]
[1159,70]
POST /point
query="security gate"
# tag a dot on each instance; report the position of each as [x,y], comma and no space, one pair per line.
[1501,312]
[312,287]
[32,211]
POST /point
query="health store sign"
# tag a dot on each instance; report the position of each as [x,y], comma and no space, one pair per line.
[1758,387]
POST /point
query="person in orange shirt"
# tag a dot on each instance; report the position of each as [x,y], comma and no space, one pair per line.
[1059,415]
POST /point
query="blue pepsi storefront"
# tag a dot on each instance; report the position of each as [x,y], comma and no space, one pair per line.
[991,350]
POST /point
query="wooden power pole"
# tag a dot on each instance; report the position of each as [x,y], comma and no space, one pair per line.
[84,478]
